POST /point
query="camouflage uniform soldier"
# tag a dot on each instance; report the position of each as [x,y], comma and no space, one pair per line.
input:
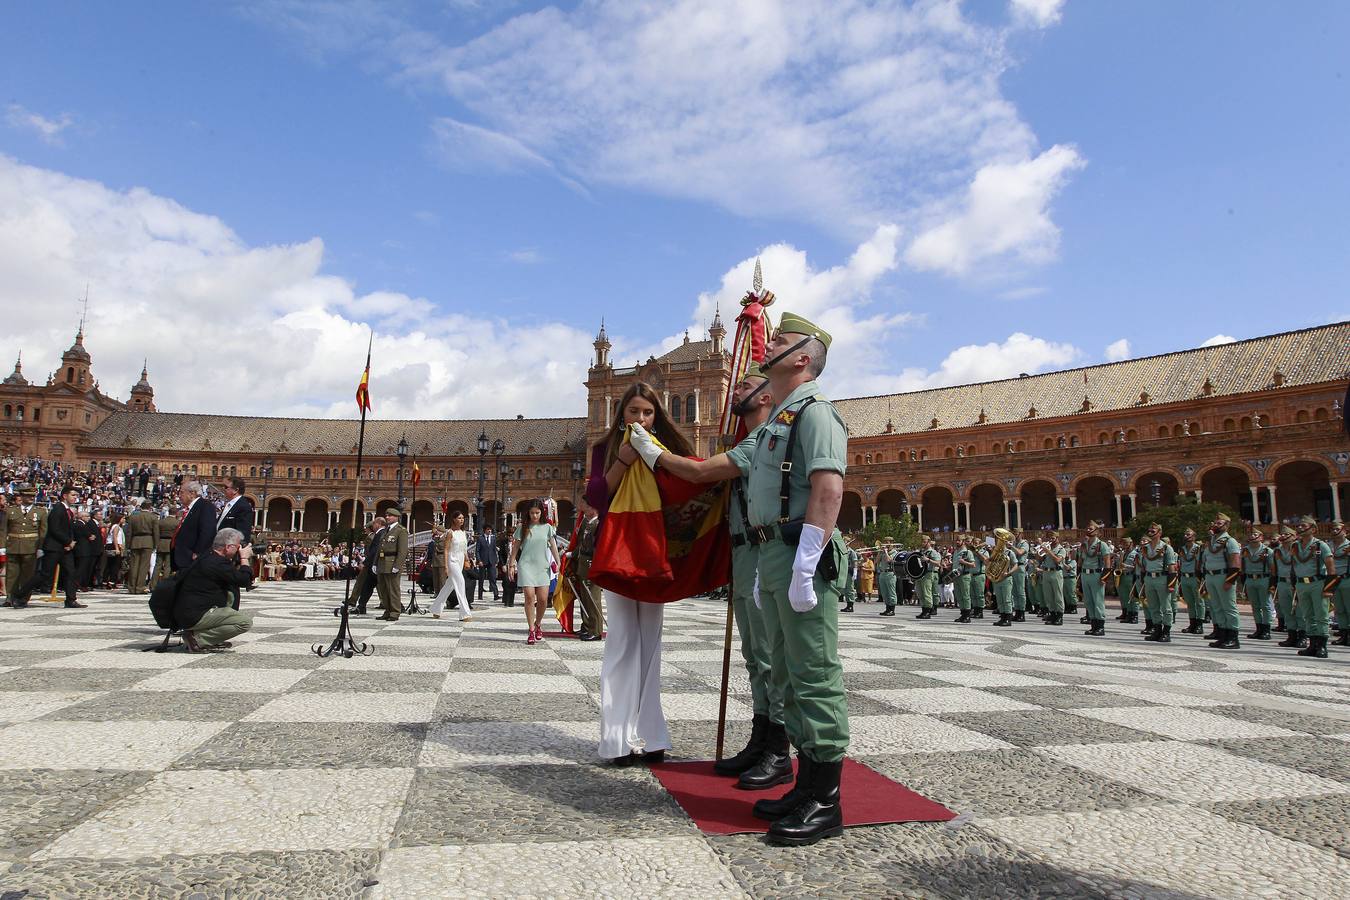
[926,587]
[1188,582]
[1158,571]
[963,562]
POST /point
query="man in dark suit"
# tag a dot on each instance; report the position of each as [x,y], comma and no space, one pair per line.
[365,579]
[202,608]
[237,514]
[197,529]
[57,550]
[88,550]
[485,549]
[143,480]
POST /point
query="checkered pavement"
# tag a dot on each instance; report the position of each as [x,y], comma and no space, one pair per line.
[458,761]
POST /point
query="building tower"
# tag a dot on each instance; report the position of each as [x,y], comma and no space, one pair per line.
[16,378]
[142,394]
[75,364]
[716,332]
[602,347]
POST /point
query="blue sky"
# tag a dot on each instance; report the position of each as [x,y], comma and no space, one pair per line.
[958,191]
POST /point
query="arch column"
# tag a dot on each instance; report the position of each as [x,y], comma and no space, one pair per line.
[1120,517]
[1274,510]
[1336,501]
[609,409]
[1134,506]
[918,507]
[1073,511]
[956,516]
[1199,496]
[1256,505]
[1059,513]
[1007,520]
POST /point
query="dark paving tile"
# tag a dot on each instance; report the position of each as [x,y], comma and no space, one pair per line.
[1319,821]
[1045,727]
[178,706]
[371,682]
[1064,697]
[541,666]
[516,708]
[283,745]
[1314,755]
[41,804]
[76,679]
[1294,721]
[237,660]
[490,804]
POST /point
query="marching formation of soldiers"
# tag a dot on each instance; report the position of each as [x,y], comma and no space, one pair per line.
[1293,584]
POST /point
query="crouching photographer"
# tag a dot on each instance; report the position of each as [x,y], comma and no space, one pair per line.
[203,605]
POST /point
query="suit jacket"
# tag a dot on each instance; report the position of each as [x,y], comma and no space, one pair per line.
[26,530]
[393,550]
[240,518]
[195,534]
[60,528]
[88,539]
[486,550]
[141,526]
[211,583]
[164,529]
[373,549]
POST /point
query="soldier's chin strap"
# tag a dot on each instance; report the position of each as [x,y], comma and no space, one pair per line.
[744,408]
[770,363]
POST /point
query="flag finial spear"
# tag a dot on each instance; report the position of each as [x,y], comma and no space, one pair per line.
[758,284]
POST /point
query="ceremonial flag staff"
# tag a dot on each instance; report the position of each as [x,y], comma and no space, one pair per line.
[343,644]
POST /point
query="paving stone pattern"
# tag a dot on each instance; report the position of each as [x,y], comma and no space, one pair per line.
[460,762]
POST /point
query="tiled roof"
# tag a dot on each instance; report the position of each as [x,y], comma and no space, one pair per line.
[687,352]
[1309,356]
[335,437]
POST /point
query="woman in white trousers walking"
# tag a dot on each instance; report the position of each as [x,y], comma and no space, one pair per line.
[456,549]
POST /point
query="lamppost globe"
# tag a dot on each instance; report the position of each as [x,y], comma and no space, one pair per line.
[483,443]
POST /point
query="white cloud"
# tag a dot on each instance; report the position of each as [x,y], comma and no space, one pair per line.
[1005,211]
[988,362]
[49,130]
[1118,350]
[841,113]
[1219,339]
[525,256]
[1040,13]
[237,328]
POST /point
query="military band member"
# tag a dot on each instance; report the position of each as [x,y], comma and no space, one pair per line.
[1021,598]
[1257,560]
[1340,551]
[1314,582]
[1127,560]
[1220,561]
[141,525]
[1188,582]
[1096,563]
[1050,567]
[1002,587]
[1054,613]
[164,532]
[963,561]
[392,553]
[886,581]
[27,527]
[926,585]
[850,584]
[1158,571]
[1282,590]
[977,579]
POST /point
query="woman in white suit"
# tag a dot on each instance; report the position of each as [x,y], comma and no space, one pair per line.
[456,550]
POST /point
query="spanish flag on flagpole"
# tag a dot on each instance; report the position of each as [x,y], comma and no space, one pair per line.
[363,389]
[416,474]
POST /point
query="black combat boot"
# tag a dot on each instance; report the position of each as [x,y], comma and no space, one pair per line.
[1148,628]
[1019,616]
[1317,647]
[1302,638]
[1163,635]
[925,614]
[1262,632]
[819,815]
[1196,627]
[1124,616]
[964,617]
[1098,628]
[1085,620]
[1228,641]
[773,810]
[1290,640]
[1255,635]
[754,749]
[1005,620]
[848,608]
[774,765]
[888,611]
[1344,639]
[977,612]
[1279,624]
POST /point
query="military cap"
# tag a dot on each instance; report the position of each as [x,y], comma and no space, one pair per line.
[1224,518]
[1307,520]
[753,371]
[791,323]
[1286,530]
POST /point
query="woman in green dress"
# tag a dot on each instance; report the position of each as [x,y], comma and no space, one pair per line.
[531,566]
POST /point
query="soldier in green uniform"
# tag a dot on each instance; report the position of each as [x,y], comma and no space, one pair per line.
[164,531]
[1314,582]
[1003,586]
[1340,552]
[1188,582]
[850,583]
[1127,560]
[1095,564]
[963,562]
[795,483]
[1283,589]
[1054,613]
[26,527]
[926,585]
[1050,565]
[1257,561]
[1020,586]
[886,581]
[1157,569]
[390,557]
[977,579]
[140,526]
[1220,562]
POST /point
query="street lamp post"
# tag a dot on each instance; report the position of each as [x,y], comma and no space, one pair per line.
[267,478]
[402,456]
[498,448]
[578,468]
[1157,492]
[478,501]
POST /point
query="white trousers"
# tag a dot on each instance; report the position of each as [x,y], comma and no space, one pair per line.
[454,581]
[630,679]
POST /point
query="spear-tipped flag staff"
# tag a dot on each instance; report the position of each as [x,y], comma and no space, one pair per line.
[343,644]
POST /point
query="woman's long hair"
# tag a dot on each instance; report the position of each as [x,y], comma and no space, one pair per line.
[662,428]
[526,522]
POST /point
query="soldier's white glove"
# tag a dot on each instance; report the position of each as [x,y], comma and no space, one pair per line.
[644,445]
[802,589]
[754,592]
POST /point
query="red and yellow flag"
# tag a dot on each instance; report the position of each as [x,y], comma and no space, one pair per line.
[363,391]
[416,474]
[663,538]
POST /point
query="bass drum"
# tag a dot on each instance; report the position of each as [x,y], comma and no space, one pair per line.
[915,566]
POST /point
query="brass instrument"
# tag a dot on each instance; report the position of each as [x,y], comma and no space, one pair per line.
[998,566]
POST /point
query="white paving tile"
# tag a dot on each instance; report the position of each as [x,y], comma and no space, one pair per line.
[512,651]
[667,867]
[119,659]
[980,678]
[275,648]
[212,812]
[101,745]
[1153,695]
[701,707]
[914,734]
[23,706]
[510,743]
[385,663]
[75,645]
[1182,724]
[1191,772]
[947,700]
[513,683]
[879,653]
[347,706]
[233,680]
[1144,858]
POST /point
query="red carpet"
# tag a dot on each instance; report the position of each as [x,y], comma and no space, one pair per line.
[717,807]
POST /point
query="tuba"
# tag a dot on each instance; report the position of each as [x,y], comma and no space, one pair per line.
[997,568]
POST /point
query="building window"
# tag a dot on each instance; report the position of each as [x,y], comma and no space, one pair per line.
[690,409]
[1048,444]
[675,409]
[948,453]
[881,457]
[1320,416]
[970,451]
[253,471]
[215,470]
[37,414]
[923,454]
[307,473]
[70,374]
[520,474]
[290,472]
[344,474]
[9,410]
[555,473]
[1301,416]
[449,474]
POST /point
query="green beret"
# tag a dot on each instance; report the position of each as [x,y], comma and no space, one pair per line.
[791,323]
[753,371]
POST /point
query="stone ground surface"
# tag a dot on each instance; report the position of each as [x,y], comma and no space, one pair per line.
[459,762]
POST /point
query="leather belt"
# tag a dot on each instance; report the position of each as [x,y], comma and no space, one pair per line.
[1091,571]
[761,534]
[1308,579]
[1215,572]
[1155,574]
[738,540]
[1189,575]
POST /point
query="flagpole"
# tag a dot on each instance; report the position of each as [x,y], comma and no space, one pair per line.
[342,644]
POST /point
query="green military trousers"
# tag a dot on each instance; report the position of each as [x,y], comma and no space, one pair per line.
[804,653]
[768,701]
[1061,603]
[1126,588]
[1052,591]
[927,590]
[1158,598]
[1284,603]
[850,584]
[1189,586]
[1312,608]
[1258,597]
[1341,599]
[886,586]
[1003,596]
[1094,595]
[1222,602]
[961,587]
[1019,591]
[138,574]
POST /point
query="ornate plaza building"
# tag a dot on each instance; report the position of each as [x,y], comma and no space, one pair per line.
[1256,424]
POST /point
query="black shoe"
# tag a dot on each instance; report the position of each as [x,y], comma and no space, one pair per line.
[977,614]
[1344,639]
[1302,639]
[888,611]
[1019,616]
[1098,628]
[1056,619]
[1228,640]
[1123,617]
[818,815]
[1255,635]
[775,763]
[964,617]
[1005,620]
[1290,639]
[1279,624]
[1196,627]
[649,759]
[587,636]
[75,604]
[924,615]
[1317,647]
[1213,635]
[754,749]
[773,810]
[848,608]
[1162,635]
[1085,620]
